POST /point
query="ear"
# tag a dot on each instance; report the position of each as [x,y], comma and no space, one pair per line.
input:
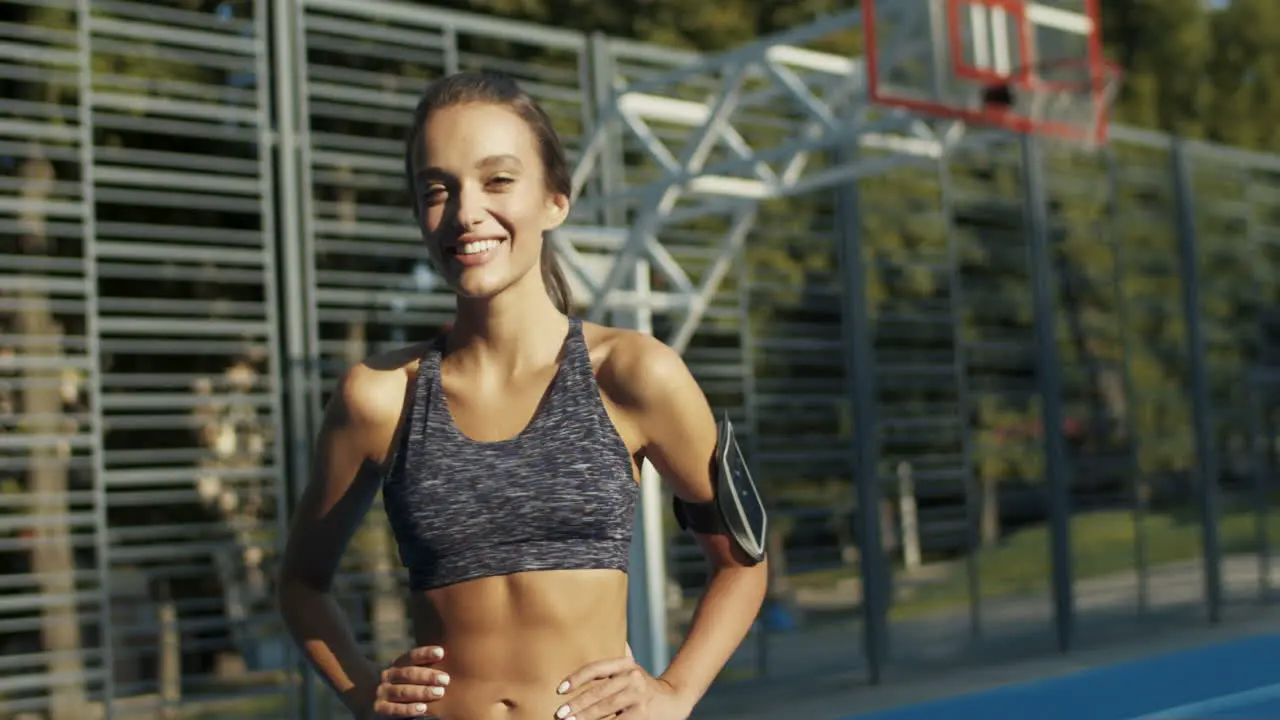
[557,211]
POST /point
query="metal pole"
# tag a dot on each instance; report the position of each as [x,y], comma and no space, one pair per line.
[1256,389]
[285,14]
[1049,380]
[751,413]
[1141,488]
[646,601]
[101,539]
[267,162]
[960,370]
[860,382]
[1201,407]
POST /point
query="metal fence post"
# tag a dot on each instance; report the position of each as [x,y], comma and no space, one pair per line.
[1140,485]
[1201,406]
[93,347]
[1049,382]
[284,18]
[960,370]
[860,380]
[646,601]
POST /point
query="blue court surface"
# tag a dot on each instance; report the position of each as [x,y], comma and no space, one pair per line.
[1237,680]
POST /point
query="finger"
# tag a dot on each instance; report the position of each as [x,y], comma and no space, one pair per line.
[606,708]
[596,671]
[420,656]
[383,708]
[590,698]
[414,676]
[410,693]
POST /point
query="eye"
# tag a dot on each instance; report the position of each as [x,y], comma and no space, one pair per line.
[434,194]
[501,181]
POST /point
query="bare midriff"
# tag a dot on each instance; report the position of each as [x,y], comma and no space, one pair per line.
[510,641]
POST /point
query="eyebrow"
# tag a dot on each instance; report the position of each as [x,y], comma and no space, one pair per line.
[487,162]
[498,160]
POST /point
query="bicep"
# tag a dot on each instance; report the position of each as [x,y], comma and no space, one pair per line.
[680,437]
[338,494]
[683,452]
[679,431]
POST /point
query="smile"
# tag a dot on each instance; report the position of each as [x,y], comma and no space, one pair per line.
[474,252]
[475,248]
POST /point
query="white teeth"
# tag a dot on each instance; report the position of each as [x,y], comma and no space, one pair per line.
[478,247]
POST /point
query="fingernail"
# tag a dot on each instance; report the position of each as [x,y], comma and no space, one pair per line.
[563,712]
[444,678]
[420,707]
[437,692]
[564,687]
[437,652]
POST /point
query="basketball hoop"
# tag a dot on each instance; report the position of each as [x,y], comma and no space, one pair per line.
[1025,66]
[1066,101]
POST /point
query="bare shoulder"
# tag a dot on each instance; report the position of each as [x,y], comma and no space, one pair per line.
[661,401]
[634,369]
[370,397]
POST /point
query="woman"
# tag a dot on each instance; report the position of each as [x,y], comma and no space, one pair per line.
[508,452]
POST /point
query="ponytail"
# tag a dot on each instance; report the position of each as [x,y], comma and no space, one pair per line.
[553,277]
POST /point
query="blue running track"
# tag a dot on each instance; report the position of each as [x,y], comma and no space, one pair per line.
[1237,680]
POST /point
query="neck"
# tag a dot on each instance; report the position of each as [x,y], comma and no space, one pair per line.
[519,326]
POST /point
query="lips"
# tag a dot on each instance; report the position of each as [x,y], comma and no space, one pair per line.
[478,246]
[474,251]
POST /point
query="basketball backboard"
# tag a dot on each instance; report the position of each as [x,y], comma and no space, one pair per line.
[1027,66]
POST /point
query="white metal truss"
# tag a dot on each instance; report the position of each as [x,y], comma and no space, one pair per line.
[827,92]
[826,98]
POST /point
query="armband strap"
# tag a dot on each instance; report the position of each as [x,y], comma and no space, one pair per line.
[737,509]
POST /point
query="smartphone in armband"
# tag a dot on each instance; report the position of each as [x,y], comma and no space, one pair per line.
[737,509]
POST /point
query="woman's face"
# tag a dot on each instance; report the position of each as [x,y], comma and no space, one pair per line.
[482,198]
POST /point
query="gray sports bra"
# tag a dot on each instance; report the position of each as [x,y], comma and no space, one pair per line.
[560,495]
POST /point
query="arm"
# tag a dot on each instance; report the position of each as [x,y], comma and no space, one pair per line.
[679,436]
[669,419]
[358,426]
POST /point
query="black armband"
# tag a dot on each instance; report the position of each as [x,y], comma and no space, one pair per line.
[737,510]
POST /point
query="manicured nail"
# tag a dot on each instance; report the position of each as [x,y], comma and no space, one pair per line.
[437,692]
[564,687]
[563,712]
[420,707]
[443,678]
[437,653]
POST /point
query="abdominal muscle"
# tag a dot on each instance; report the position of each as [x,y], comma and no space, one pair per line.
[509,641]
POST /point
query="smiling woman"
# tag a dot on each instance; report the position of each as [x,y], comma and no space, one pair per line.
[499,108]
[508,455]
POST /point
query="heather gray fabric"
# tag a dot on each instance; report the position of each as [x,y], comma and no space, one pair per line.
[560,495]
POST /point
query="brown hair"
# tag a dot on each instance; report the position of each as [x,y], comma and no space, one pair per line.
[489,87]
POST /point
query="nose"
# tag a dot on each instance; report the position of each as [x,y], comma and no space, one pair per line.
[471,205]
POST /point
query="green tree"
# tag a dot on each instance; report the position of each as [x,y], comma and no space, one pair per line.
[1244,73]
[1165,47]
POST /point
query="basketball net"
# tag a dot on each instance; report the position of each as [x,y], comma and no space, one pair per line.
[1068,102]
